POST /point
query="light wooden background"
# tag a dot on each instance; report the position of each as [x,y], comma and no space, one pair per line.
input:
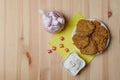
[23,41]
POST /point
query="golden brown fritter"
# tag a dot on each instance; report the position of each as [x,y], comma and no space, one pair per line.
[90,49]
[95,22]
[80,42]
[101,43]
[100,36]
[85,27]
[101,31]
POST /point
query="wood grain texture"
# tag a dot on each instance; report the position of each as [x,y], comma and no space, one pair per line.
[23,42]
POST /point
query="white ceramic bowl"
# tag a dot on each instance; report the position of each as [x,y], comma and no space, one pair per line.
[73,63]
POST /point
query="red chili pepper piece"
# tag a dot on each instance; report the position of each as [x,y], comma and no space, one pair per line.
[61,45]
[49,51]
[61,38]
[53,48]
[66,50]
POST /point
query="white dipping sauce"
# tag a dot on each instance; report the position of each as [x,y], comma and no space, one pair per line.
[73,63]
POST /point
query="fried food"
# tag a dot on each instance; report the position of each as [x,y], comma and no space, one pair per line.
[80,42]
[91,37]
[85,27]
[91,49]
[100,36]
[95,22]
[100,41]
[101,31]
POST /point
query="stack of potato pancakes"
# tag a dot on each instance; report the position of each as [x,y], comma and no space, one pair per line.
[90,37]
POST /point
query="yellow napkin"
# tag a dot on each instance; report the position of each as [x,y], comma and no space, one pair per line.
[67,34]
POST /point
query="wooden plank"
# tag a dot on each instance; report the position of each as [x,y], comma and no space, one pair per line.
[26,30]
[113,51]
[19,40]
[23,41]
[86,8]
[2,39]
[95,9]
[26,21]
[11,40]
[24,68]
[33,54]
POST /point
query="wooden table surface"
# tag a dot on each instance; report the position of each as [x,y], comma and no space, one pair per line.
[23,42]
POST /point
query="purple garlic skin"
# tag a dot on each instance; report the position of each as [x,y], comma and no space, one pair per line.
[53,21]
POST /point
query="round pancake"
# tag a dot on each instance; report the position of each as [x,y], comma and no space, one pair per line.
[91,49]
[100,41]
[101,31]
[85,27]
[95,22]
[100,36]
[80,42]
